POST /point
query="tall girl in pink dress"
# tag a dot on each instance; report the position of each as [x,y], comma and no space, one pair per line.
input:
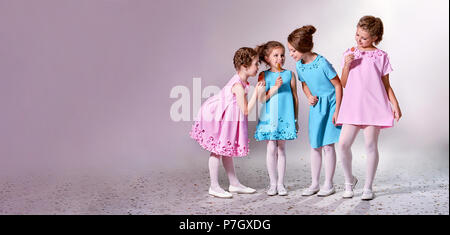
[367,100]
[221,124]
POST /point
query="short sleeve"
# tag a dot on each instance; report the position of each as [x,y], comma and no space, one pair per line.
[328,70]
[386,65]
[300,76]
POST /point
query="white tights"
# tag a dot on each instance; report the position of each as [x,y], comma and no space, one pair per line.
[316,165]
[348,135]
[214,163]
[276,161]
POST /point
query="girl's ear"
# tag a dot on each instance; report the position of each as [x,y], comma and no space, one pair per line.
[375,38]
[266,58]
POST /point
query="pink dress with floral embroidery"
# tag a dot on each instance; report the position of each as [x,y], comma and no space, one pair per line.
[365,101]
[220,126]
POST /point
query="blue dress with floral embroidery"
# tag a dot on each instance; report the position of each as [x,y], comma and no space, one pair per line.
[277,119]
[317,76]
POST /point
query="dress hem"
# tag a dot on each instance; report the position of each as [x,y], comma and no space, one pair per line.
[331,142]
[366,124]
[275,139]
[211,144]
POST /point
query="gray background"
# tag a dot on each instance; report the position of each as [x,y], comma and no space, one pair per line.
[85,84]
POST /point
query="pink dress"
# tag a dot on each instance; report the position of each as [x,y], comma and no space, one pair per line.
[365,101]
[220,126]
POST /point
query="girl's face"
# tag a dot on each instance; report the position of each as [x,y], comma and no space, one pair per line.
[363,38]
[253,68]
[296,55]
[275,57]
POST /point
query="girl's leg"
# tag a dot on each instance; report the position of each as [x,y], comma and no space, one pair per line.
[281,161]
[348,135]
[271,161]
[228,164]
[371,134]
[214,163]
[330,165]
[316,165]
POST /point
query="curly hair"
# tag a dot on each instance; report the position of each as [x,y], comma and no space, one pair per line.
[373,25]
[244,57]
[301,39]
[266,48]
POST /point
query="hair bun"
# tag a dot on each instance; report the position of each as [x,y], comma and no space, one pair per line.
[309,29]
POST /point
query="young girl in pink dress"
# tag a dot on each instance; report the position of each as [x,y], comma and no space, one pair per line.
[221,124]
[367,100]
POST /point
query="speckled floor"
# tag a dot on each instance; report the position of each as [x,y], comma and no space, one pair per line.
[184,191]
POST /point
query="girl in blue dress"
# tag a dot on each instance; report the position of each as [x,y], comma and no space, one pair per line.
[323,89]
[277,121]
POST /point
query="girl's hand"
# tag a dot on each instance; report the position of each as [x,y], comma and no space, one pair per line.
[261,87]
[335,116]
[261,83]
[348,60]
[397,113]
[279,82]
[312,100]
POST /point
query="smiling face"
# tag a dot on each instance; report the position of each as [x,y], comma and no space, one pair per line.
[296,55]
[363,38]
[275,57]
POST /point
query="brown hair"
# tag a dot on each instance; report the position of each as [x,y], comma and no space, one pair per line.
[373,25]
[244,57]
[266,48]
[301,39]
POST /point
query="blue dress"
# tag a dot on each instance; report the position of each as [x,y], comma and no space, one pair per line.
[317,76]
[277,119]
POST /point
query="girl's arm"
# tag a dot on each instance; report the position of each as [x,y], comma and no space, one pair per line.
[338,88]
[312,100]
[261,95]
[272,91]
[295,97]
[241,98]
[392,98]
[348,61]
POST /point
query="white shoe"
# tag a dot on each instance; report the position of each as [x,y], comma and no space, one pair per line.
[367,195]
[309,192]
[281,190]
[325,193]
[221,195]
[245,190]
[272,191]
[349,193]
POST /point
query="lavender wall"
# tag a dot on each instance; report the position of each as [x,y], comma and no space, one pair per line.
[86,83]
